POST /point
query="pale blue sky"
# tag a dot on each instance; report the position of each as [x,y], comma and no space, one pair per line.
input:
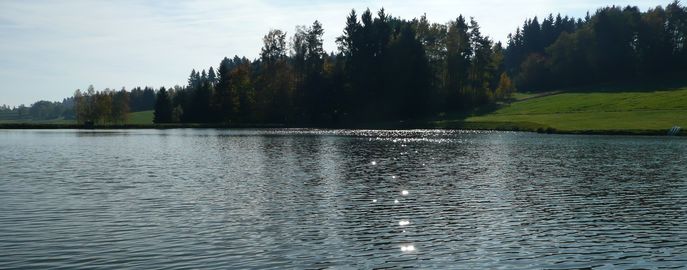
[51,48]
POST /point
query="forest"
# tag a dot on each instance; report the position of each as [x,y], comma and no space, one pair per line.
[388,68]
[385,69]
[392,69]
[614,44]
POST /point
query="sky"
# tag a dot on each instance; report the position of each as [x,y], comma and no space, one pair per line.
[48,49]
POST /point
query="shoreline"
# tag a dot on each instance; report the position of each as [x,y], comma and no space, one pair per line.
[495,126]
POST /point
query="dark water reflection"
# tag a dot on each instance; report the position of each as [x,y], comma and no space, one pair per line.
[279,199]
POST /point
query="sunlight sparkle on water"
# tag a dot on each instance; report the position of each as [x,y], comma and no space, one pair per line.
[374,163]
[404,223]
[404,193]
[395,201]
[407,248]
[374,200]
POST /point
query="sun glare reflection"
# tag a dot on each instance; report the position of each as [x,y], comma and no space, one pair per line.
[407,248]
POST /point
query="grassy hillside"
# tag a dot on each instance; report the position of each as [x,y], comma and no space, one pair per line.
[140,118]
[8,118]
[606,109]
[135,118]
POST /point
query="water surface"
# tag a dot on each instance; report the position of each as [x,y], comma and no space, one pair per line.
[160,199]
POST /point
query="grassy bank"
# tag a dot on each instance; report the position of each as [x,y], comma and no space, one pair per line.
[142,118]
[648,109]
[606,109]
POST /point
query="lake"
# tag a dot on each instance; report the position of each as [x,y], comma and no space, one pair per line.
[224,199]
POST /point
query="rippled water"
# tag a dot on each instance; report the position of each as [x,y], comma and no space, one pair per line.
[279,199]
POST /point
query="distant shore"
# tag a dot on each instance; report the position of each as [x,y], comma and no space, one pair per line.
[458,125]
[128,126]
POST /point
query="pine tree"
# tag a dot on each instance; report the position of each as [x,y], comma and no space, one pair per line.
[163,107]
[212,76]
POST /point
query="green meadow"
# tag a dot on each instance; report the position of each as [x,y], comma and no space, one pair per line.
[134,118]
[594,109]
[140,118]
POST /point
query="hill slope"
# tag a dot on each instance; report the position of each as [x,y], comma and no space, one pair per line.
[580,111]
[140,118]
[134,118]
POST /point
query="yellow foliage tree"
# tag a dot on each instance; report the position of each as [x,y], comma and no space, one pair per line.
[506,88]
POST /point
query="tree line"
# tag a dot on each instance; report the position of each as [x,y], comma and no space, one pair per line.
[386,68]
[615,43]
[40,110]
[93,106]
[110,106]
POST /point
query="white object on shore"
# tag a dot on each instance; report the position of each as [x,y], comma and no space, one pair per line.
[674,131]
